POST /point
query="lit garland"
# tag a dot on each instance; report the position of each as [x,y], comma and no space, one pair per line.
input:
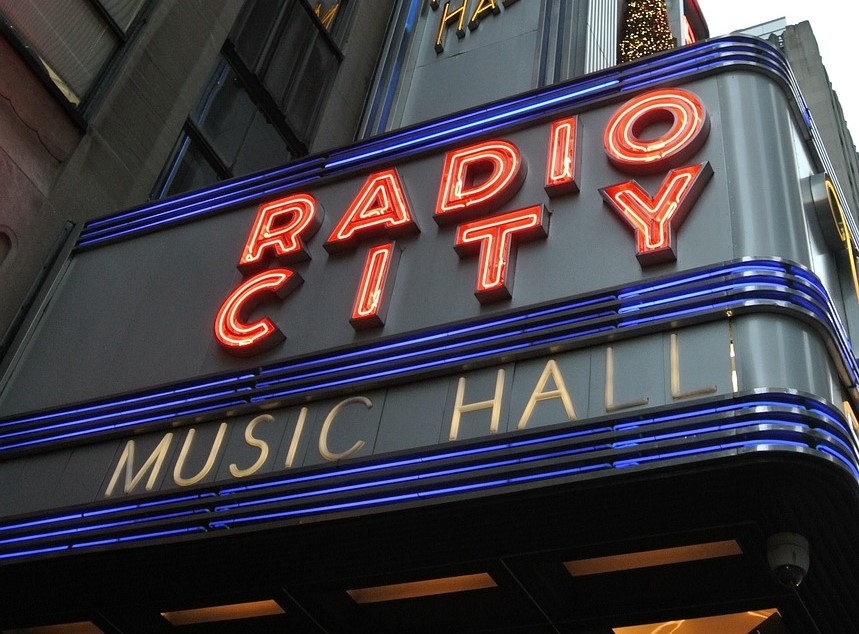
[645,30]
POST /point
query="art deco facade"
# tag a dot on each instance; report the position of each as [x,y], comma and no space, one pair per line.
[421,316]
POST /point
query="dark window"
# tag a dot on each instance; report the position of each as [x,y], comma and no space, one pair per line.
[189,168]
[71,43]
[287,51]
[261,104]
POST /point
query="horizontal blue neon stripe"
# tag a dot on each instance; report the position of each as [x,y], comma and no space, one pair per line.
[686,63]
[769,422]
[710,292]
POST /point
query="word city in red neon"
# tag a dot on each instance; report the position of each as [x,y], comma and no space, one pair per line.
[476,181]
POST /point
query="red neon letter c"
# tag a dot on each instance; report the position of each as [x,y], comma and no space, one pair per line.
[231,331]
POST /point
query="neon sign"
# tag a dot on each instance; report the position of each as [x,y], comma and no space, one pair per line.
[476,183]
[629,150]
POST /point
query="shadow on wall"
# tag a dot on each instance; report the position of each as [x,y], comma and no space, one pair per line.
[6,244]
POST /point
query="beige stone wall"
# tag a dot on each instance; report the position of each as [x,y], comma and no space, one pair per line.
[54,172]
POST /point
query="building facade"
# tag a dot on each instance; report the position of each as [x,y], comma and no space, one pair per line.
[148,118]
[421,317]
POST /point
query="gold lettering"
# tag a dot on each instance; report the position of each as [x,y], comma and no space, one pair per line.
[324,451]
[154,462]
[843,231]
[253,442]
[483,7]
[447,18]
[328,17]
[296,435]
[550,371]
[674,362]
[210,461]
[610,405]
[494,403]
[851,417]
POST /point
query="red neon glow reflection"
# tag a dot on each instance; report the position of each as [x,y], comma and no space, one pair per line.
[494,238]
[561,171]
[367,311]
[653,220]
[688,128]
[688,33]
[278,230]
[379,207]
[479,178]
[243,338]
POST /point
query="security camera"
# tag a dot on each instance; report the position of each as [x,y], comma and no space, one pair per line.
[787,554]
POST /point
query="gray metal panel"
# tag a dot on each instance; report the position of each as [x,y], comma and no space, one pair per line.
[703,362]
[471,84]
[140,313]
[479,387]
[416,416]
[352,430]
[35,483]
[466,73]
[774,351]
[638,376]
[411,415]
[762,169]
[602,28]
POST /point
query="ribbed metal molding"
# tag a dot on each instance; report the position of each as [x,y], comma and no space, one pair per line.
[746,286]
[774,423]
[590,91]
[601,47]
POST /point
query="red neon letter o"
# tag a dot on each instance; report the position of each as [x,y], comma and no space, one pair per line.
[688,128]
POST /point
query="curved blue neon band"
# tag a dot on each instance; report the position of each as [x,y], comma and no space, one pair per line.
[782,422]
[589,91]
[739,286]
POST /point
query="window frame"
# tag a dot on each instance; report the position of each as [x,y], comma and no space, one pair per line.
[81,113]
[252,80]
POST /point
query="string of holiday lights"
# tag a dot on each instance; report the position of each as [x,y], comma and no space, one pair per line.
[645,30]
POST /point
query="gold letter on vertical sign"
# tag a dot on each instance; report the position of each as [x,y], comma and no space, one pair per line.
[447,18]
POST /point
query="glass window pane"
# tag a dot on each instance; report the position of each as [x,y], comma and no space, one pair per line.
[285,66]
[263,148]
[300,70]
[253,30]
[315,70]
[71,39]
[123,12]
[224,113]
[190,170]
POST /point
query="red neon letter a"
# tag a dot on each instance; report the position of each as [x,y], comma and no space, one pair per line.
[379,208]
[654,220]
